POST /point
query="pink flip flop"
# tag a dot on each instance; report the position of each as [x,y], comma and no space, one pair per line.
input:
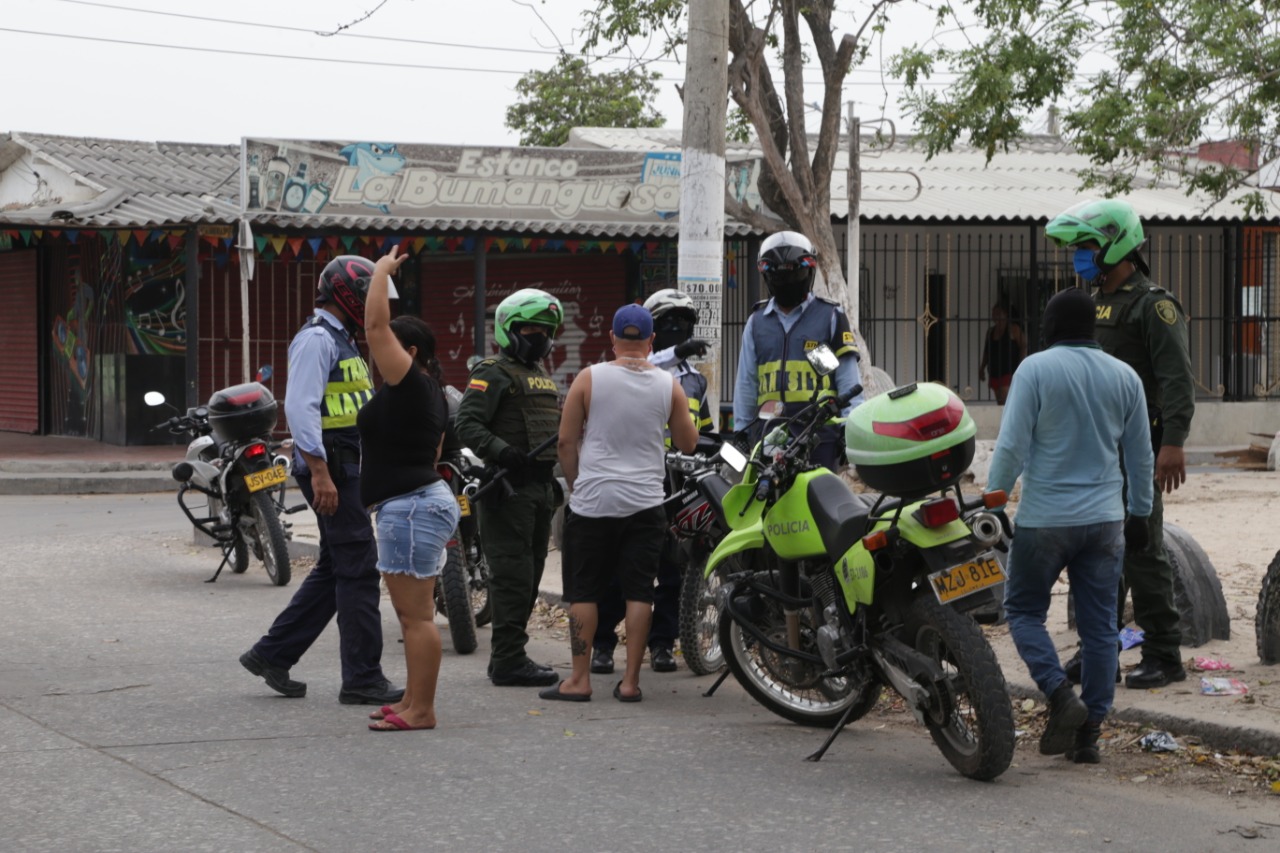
[381,713]
[397,724]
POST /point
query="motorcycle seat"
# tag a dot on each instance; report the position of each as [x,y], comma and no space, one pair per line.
[840,514]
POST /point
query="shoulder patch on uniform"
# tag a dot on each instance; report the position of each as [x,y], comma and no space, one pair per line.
[477,385]
[1165,311]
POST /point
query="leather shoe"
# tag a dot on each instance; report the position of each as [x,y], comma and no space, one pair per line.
[1066,714]
[662,660]
[277,678]
[527,674]
[602,662]
[381,693]
[1154,673]
[545,667]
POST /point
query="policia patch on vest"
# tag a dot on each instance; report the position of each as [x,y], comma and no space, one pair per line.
[1166,311]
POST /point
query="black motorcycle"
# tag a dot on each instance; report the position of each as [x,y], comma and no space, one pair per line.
[240,475]
[462,593]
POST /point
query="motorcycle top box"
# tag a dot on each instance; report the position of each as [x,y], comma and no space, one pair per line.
[910,441]
[242,412]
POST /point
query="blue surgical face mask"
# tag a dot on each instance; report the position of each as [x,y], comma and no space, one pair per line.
[1085,266]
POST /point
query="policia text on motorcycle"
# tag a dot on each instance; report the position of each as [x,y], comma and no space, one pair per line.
[1144,326]
[510,407]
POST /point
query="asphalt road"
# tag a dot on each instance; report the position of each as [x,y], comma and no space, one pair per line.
[126,723]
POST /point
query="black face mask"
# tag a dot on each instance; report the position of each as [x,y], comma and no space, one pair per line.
[537,345]
[669,333]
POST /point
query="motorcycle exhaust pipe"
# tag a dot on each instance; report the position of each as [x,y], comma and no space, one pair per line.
[986,528]
[182,472]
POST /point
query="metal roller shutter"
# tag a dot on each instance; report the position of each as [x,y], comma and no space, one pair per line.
[19,343]
[591,288]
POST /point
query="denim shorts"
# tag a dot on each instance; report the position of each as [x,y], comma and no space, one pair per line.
[413,530]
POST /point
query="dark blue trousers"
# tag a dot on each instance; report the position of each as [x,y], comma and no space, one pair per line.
[344,582]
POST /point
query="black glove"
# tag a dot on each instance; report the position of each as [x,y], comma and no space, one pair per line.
[1135,533]
[511,458]
[693,346]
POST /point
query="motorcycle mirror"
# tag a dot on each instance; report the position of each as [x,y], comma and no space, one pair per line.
[824,361]
[265,373]
[153,398]
[733,457]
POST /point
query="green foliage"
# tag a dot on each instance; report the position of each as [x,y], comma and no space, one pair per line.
[571,95]
[1179,72]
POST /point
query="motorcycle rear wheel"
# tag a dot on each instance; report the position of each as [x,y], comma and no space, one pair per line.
[269,531]
[700,620]
[456,592]
[976,736]
[788,687]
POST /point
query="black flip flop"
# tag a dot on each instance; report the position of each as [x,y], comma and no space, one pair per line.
[617,694]
[553,693]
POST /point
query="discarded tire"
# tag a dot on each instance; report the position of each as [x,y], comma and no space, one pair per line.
[1267,620]
[1196,588]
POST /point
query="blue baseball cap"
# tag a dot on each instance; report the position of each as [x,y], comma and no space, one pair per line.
[636,318]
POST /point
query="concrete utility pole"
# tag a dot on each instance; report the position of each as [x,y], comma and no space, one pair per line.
[700,265]
[853,251]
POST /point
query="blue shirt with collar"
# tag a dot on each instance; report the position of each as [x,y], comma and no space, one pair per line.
[312,354]
[746,386]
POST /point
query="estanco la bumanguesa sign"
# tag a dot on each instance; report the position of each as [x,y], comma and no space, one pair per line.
[360,178]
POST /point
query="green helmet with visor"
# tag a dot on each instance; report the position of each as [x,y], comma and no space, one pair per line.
[1111,223]
[526,307]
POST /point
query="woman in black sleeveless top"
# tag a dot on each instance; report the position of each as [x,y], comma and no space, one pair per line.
[402,431]
[1003,350]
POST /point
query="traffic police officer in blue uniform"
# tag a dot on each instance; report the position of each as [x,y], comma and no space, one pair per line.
[328,382]
[778,334]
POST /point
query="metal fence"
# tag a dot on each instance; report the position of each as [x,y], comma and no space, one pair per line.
[927,295]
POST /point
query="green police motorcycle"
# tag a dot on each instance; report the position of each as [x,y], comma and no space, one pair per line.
[828,595]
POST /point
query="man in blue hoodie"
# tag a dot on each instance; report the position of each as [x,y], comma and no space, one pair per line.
[1074,416]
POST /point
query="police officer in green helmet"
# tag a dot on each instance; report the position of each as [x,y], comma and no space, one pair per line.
[510,407]
[1144,326]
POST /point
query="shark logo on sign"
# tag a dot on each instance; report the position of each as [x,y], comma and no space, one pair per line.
[373,162]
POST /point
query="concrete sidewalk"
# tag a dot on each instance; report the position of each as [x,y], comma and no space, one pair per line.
[51,465]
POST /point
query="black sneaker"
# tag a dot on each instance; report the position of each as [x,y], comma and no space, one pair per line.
[1154,673]
[602,662]
[527,674]
[277,678]
[382,693]
[1066,714]
[662,660]
[1085,749]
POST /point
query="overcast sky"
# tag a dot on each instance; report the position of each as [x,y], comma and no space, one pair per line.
[257,68]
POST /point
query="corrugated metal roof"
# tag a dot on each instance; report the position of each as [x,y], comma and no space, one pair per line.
[634,230]
[1034,181]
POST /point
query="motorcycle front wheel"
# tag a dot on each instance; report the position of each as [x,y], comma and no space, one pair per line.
[973,724]
[791,688]
[700,619]
[455,590]
[269,531]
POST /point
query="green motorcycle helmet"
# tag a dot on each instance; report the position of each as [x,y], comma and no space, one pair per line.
[1111,223]
[522,308]
[911,441]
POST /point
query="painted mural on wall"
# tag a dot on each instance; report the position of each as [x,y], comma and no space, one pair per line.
[360,178]
[155,304]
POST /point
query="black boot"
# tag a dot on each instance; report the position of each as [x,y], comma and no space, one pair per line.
[1066,714]
[1155,673]
[1085,749]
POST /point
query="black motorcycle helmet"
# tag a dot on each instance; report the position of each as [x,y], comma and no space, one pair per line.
[788,264]
[345,282]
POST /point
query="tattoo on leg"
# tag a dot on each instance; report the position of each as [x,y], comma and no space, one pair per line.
[577,643]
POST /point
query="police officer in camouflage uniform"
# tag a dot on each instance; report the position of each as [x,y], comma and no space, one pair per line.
[510,407]
[1144,326]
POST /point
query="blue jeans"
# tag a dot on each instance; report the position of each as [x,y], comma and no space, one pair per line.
[1093,555]
[414,528]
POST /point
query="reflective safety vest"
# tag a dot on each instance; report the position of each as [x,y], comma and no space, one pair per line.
[694,385]
[349,386]
[782,371]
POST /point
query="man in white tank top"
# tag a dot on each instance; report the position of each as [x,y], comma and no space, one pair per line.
[612,450]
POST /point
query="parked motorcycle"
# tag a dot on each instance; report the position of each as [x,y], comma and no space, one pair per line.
[694,526]
[829,595]
[462,593]
[232,462]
